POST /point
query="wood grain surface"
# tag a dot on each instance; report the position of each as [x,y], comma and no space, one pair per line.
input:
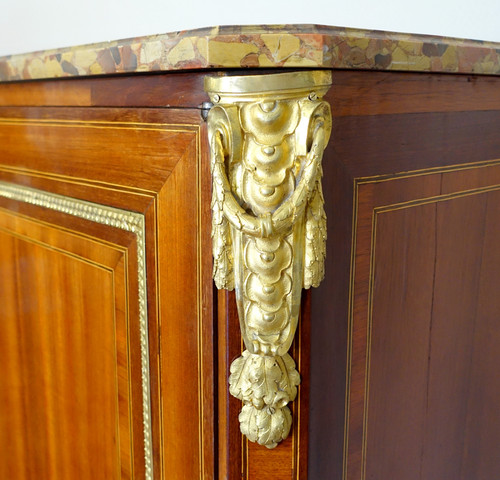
[400,339]
[173,90]
[149,161]
[420,255]
[66,394]
[405,418]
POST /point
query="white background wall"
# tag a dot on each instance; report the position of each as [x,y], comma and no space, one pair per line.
[28,25]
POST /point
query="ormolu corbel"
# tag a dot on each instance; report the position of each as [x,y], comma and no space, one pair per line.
[267,134]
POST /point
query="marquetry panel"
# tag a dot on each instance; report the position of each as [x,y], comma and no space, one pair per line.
[422,390]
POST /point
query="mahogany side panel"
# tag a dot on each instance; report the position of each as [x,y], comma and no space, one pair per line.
[436,123]
[413,322]
[329,328]
[480,432]
[400,339]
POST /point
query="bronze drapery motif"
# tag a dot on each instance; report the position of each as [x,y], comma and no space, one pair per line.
[267,135]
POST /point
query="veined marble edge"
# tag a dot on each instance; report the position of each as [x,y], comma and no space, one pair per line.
[288,46]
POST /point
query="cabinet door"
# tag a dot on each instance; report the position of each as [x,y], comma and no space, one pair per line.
[106,318]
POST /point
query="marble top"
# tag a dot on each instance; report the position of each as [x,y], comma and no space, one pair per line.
[286,46]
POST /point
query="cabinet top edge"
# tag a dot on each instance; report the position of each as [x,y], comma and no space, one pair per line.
[263,46]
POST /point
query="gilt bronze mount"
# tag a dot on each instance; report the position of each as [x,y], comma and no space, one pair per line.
[267,135]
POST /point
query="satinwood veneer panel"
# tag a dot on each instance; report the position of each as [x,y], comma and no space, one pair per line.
[137,148]
[67,404]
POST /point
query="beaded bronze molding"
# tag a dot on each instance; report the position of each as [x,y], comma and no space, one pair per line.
[267,135]
[125,220]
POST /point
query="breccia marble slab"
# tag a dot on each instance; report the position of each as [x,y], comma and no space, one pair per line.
[261,46]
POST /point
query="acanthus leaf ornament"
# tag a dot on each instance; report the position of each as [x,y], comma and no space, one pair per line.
[267,135]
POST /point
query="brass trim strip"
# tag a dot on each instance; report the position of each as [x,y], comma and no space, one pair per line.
[125,220]
[275,83]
